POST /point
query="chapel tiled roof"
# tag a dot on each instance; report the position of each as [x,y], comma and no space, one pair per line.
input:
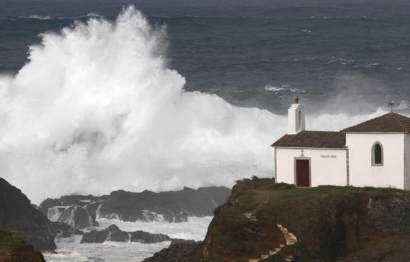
[388,123]
[313,139]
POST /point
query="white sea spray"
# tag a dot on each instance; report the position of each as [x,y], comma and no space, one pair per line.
[71,250]
[96,109]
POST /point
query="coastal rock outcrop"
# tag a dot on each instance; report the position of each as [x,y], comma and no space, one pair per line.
[265,221]
[77,211]
[18,215]
[113,233]
[63,230]
[13,248]
[178,251]
[173,206]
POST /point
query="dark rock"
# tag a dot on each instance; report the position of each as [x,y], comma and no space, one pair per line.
[390,214]
[177,252]
[173,206]
[144,237]
[117,235]
[46,204]
[177,241]
[76,210]
[78,232]
[13,248]
[75,216]
[63,230]
[17,214]
[330,223]
[95,236]
[113,228]
[92,210]
[113,233]
[81,218]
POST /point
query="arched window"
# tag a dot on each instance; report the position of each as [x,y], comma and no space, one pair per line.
[377,154]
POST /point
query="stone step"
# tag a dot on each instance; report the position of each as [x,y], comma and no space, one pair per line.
[289,237]
[291,242]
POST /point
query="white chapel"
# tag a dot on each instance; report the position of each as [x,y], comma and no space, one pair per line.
[373,153]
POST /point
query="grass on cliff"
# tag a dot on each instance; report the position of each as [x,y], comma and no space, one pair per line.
[241,201]
[257,194]
[258,205]
[14,249]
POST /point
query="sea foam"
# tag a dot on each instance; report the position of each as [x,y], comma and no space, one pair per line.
[97,109]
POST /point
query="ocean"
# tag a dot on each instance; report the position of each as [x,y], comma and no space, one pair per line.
[97,96]
[71,250]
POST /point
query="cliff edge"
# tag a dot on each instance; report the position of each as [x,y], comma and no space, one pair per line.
[18,215]
[14,249]
[264,221]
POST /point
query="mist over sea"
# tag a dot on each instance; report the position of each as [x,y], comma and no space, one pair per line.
[97,96]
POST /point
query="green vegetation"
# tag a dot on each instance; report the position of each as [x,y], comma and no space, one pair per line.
[4,235]
[245,199]
[234,216]
[14,249]
[257,204]
[299,194]
[325,190]
[328,221]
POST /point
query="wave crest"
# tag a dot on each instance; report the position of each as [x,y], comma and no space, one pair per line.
[96,109]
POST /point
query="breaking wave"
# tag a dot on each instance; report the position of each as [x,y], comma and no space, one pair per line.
[36,17]
[97,109]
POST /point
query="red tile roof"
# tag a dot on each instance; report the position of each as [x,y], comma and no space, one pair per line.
[388,123]
[313,139]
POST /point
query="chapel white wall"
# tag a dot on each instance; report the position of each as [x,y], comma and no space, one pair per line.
[327,166]
[407,164]
[363,173]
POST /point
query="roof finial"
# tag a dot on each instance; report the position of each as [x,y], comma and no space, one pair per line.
[391,105]
[297,100]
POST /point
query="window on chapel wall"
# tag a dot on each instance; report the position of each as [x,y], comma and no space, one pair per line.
[377,154]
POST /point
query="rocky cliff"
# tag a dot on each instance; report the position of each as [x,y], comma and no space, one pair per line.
[14,249]
[18,215]
[77,211]
[278,222]
[178,251]
[114,234]
[173,206]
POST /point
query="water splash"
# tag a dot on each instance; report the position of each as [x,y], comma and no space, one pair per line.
[96,109]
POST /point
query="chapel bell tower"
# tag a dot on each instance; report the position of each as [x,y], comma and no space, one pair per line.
[296,118]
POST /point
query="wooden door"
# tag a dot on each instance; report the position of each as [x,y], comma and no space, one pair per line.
[302,173]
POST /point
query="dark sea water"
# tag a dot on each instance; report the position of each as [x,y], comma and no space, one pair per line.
[350,56]
[88,106]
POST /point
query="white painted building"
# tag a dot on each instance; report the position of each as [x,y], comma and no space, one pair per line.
[373,153]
